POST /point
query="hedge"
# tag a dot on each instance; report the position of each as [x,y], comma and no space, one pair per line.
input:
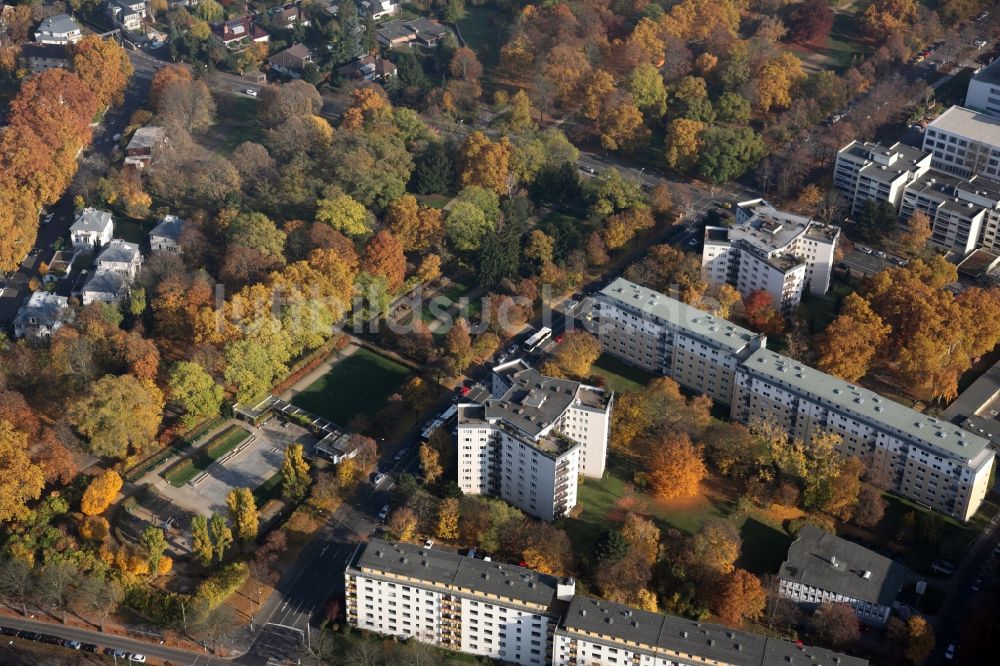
[220,585]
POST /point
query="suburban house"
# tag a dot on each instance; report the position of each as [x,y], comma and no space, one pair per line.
[423,31]
[822,567]
[164,236]
[288,17]
[104,287]
[120,257]
[41,316]
[142,145]
[127,14]
[60,266]
[378,9]
[58,29]
[240,33]
[92,228]
[40,57]
[292,60]
[368,68]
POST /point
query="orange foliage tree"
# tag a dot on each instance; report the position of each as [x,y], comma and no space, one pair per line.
[101,492]
[677,467]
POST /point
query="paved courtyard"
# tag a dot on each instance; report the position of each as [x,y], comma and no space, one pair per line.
[247,466]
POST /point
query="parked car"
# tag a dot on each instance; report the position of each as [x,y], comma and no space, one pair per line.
[137,658]
[571,305]
[111,652]
[30,635]
[379,478]
[949,654]
[50,639]
[73,645]
[429,543]
[384,513]
[401,453]
[693,242]
[251,92]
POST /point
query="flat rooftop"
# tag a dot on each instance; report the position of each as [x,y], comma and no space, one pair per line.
[936,435]
[445,568]
[670,311]
[614,624]
[970,124]
[989,74]
[977,408]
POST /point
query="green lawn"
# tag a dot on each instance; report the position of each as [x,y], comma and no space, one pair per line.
[358,384]
[618,375]
[236,122]
[188,468]
[433,200]
[484,30]
[267,491]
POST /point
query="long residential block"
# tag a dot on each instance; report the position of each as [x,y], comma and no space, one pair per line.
[522,617]
[916,455]
[530,437]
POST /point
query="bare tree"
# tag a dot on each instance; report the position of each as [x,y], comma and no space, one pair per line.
[55,585]
[16,581]
[100,597]
[215,625]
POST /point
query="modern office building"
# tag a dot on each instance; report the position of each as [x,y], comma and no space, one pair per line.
[520,616]
[665,336]
[964,214]
[771,250]
[965,143]
[823,568]
[872,172]
[915,455]
[983,93]
[529,438]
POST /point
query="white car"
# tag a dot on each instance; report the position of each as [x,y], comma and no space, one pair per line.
[428,543]
[138,658]
[384,513]
[379,478]
[949,654]
[251,92]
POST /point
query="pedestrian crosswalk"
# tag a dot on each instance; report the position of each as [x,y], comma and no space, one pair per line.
[143,76]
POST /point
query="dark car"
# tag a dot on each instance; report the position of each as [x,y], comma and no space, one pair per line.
[10,631]
[30,636]
[88,647]
[50,639]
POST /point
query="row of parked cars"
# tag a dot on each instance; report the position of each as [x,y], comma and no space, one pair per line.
[72,645]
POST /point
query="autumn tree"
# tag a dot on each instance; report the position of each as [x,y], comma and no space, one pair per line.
[683,142]
[918,231]
[195,390]
[276,104]
[403,523]
[870,507]
[883,18]
[21,480]
[417,227]
[808,21]
[643,416]
[383,256]
[458,346]
[100,493]
[849,344]
[671,271]
[761,314]
[430,463]
[520,117]
[714,548]
[119,416]
[485,163]
[739,598]
[548,549]
[677,467]
[643,537]
[243,513]
[221,535]
[447,519]
[201,540]
[153,543]
[575,355]
[294,474]
[836,624]
[344,214]
[914,636]
[103,66]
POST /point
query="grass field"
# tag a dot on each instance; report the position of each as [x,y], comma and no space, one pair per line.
[267,491]
[618,375]
[224,442]
[236,122]
[484,30]
[433,200]
[358,384]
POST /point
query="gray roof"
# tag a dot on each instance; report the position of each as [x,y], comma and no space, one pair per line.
[46,308]
[146,137]
[58,24]
[169,227]
[694,322]
[105,282]
[978,407]
[932,433]
[443,567]
[761,225]
[119,251]
[625,627]
[970,124]
[50,51]
[91,219]
[827,562]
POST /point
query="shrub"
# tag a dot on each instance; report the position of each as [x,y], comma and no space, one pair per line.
[217,587]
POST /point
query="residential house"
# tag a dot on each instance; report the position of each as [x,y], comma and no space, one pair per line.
[141,147]
[427,31]
[823,568]
[239,33]
[40,57]
[127,14]
[92,229]
[120,257]
[60,266]
[519,616]
[292,60]
[58,29]
[165,236]
[288,16]
[378,9]
[368,68]
[104,287]
[41,316]
[255,76]
[423,31]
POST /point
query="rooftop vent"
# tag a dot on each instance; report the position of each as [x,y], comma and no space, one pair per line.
[866,574]
[404,560]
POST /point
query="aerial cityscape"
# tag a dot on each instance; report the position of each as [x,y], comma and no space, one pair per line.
[562,333]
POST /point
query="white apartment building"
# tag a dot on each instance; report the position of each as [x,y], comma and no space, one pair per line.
[964,214]
[771,250]
[519,616]
[529,439]
[872,172]
[823,568]
[460,603]
[917,456]
[984,90]
[665,336]
[964,142]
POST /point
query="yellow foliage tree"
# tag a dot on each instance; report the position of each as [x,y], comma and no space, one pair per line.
[20,479]
[101,492]
[677,467]
[447,523]
[849,344]
[485,163]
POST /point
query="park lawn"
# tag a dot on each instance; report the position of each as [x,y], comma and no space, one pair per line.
[618,375]
[269,490]
[433,200]
[190,467]
[237,122]
[358,384]
[484,30]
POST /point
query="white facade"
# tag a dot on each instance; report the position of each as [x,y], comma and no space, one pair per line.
[873,172]
[528,440]
[983,93]
[773,251]
[92,229]
[164,236]
[59,29]
[41,316]
[121,257]
[918,456]
[964,143]
[867,611]
[964,214]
